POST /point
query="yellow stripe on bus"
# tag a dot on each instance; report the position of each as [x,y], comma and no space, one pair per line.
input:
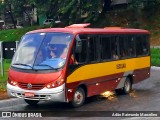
[108,68]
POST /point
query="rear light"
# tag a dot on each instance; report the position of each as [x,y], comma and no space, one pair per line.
[14,83]
[55,83]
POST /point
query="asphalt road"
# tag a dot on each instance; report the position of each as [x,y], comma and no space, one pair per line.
[144,97]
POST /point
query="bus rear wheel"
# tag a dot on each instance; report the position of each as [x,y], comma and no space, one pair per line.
[31,102]
[127,86]
[126,89]
[79,97]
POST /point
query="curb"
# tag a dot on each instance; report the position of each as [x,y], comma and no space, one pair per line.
[155,68]
[11,102]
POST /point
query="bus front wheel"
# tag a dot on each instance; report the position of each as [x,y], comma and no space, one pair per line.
[31,102]
[79,97]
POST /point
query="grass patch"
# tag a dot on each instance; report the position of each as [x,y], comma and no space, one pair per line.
[155,56]
[16,34]
[3,80]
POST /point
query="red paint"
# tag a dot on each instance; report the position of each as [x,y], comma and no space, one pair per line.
[92,30]
[141,74]
[104,83]
[33,78]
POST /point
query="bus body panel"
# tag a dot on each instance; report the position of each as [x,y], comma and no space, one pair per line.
[33,78]
[54,94]
[108,76]
[108,68]
[141,74]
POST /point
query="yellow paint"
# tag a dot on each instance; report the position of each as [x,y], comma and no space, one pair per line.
[107,68]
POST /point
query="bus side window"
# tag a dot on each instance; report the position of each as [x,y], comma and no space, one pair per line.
[145,45]
[123,46]
[80,57]
[142,45]
[131,46]
[92,49]
[105,48]
[114,48]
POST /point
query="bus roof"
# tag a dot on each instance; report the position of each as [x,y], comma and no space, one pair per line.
[82,30]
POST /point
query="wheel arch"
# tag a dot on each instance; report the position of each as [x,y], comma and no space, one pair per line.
[130,76]
[84,87]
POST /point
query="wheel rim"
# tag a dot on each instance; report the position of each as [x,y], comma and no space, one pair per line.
[78,97]
[127,86]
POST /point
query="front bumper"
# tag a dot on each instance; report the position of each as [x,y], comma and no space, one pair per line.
[54,94]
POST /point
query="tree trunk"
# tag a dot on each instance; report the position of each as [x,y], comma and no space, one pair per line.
[107,5]
[29,18]
[10,13]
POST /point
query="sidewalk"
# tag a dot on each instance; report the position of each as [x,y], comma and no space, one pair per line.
[155,67]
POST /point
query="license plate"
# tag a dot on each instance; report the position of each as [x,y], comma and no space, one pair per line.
[28,94]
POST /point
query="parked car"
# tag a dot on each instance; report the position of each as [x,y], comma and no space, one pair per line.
[47,22]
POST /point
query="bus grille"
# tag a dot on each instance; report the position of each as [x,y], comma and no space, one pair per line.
[34,86]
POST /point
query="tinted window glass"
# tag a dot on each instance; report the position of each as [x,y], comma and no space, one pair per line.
[114,48]
[123,46]
[92,49]
[126,46]
[105,48]
[142,45]
[131,46]
[81,57]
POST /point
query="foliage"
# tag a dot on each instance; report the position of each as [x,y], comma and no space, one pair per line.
[16,34]
[155,56]
[70,11]
[74,11]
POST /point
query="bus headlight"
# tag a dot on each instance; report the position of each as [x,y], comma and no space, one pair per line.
[55,83]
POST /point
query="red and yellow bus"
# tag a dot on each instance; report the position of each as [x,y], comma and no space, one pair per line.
[72,63]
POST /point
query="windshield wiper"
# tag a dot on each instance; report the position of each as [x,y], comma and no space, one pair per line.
[46,65]
[23,64]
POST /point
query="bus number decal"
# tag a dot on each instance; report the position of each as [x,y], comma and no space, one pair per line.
[120,66]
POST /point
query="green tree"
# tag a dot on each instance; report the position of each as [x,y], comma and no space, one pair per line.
[67,11]
[70,11]
[1,9]
[8,9]
[21,6]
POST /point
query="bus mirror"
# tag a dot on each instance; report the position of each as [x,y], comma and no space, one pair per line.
[78,45]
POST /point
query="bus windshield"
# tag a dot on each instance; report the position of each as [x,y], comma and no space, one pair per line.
[42,51]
